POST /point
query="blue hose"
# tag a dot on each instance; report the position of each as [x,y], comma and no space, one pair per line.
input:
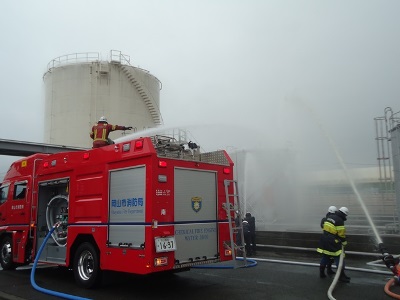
[40,289]
[253,263]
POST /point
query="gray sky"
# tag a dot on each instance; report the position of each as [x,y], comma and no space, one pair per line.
[240,73]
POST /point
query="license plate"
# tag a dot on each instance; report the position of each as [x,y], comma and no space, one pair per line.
[165,244]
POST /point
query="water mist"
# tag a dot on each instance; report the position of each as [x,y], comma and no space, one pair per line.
[344,167]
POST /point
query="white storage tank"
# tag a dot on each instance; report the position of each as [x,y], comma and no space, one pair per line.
[80,88]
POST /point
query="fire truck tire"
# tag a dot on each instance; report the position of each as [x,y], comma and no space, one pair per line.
[6,254]
[87,270]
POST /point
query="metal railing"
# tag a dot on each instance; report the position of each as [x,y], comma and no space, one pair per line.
[73,58]
[117,56]
[86,57]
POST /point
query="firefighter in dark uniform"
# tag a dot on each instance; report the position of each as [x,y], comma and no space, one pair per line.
[101,130]
[247,237]
[238,233]
[332,240]
[331,211]
[252,222]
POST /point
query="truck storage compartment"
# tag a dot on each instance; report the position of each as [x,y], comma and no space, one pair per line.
[195,215]
[53,207]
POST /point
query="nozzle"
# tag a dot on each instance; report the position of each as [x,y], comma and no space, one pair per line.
[383,249]
[388,259]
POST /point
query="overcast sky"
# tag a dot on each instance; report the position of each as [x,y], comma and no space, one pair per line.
[240,73]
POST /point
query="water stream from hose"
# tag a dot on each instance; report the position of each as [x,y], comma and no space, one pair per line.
[346,171]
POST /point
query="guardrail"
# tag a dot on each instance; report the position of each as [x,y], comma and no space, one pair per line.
[73,58]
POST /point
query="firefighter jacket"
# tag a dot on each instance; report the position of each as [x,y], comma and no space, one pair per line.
[100,133]
[324,219]
[246,228]
[252,224]
[333,236]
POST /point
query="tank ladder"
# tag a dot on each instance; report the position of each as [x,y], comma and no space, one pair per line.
[237,246]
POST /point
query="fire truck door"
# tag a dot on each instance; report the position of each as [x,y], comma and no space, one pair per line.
[18,207]
[4,203]
[127,207]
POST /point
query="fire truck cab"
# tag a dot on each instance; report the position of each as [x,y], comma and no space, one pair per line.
[141,206]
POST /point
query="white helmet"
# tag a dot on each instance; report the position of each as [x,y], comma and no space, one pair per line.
[103,119]
[344,210]
[332,209]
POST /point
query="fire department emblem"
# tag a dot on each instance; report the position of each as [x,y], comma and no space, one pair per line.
[196,203]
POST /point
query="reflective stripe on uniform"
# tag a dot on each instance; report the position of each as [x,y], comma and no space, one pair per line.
[103,135]
[329,227]
[323,251]
[341,231]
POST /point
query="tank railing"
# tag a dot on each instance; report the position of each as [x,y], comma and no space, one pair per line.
[73,58]
[394,118]
[116,55]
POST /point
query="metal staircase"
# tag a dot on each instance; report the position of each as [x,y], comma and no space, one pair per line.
[144,93]
[234,213]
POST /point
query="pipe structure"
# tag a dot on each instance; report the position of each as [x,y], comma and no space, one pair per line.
[43,290]
[313,250]
[317,265]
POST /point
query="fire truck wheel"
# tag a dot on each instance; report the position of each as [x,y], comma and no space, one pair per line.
[6,254]
[87,266]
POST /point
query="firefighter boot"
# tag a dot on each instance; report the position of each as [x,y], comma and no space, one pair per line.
[322,271]
[329,270]
[343,277]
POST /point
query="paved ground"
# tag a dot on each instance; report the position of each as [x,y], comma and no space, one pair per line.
[270,279]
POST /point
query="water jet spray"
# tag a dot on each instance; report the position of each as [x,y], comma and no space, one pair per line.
[344,167]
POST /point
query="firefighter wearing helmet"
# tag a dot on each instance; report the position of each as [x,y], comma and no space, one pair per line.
[101,130]
[332,241]
[331,211]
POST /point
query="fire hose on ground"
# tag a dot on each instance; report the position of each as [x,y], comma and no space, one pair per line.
[393,264]
[390,262]
[336,278]
[43,290]
[253,263]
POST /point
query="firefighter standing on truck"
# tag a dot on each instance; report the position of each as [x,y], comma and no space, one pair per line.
[101,130]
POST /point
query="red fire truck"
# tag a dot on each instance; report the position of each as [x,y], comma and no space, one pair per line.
[140,206]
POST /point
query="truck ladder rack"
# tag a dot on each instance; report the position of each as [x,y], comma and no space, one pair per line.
[237,246]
